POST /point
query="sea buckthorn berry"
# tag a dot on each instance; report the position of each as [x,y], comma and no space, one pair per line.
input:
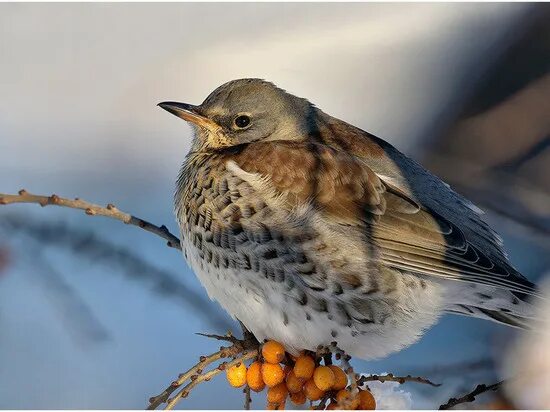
[366,401]
[298,398]
[312,392]
[324,378]
[273,352]
[254,377]
[293,383]
[272,374]
[304,367]
[345,400]
[277,393]
[340,378]
[236,375]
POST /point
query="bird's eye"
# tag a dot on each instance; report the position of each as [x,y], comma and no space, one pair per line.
[242,121]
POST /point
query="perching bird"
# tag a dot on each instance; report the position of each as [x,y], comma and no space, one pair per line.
[309,230]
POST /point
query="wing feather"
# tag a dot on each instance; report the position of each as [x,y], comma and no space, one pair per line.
[409,235]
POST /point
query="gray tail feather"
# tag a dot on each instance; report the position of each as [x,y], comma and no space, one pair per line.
[498,316]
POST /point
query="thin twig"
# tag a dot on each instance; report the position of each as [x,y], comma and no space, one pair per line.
[391,378]
[204,361]
[184,392]
[321,406]
[92,209]
[226,338]
[344,359]
[247,398]
[470,397]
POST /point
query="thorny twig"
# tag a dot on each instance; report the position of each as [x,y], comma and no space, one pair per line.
[92,209]
[241,350]
[184,392]
[391,378]
[344,359]
[247,398]
[470,397]
[227,338]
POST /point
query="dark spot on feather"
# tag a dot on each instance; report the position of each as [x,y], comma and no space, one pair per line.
[364,321]
[484,296]
[372,291]
[467,308]
[270,254]
[337,289]
[246,262]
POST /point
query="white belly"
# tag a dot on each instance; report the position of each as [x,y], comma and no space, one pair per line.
[264,308]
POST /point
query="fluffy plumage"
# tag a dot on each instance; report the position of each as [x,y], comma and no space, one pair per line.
[310,230]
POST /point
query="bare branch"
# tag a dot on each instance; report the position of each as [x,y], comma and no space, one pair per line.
[247,398]
[248,348]
[197,369]
[226,338]
[391,378]
[470,397]
[92,209]
[184,392]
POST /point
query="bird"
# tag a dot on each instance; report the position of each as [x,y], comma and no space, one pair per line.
[309,230]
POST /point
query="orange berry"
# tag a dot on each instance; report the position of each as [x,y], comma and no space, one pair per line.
[312,392]
[272,374]
[293,383]
[324,378]
[366,401]
[277,393]
[340,378]
[332,406]
[236,375]
[298,398]
[304,367]
[254,377]
[345,401]
[273,352]
[275,406]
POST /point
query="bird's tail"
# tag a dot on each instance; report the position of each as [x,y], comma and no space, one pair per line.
[498,316]
[491,303]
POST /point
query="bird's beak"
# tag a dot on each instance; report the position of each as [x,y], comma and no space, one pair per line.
[190,113]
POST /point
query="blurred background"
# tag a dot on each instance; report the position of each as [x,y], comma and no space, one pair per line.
[96,314]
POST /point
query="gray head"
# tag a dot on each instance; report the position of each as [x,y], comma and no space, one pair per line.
[244,111]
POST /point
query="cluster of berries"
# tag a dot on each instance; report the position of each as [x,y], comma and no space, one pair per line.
[299,377]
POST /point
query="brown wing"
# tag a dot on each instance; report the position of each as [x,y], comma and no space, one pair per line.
[344,190]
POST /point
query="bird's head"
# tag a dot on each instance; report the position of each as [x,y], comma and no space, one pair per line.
[244,111]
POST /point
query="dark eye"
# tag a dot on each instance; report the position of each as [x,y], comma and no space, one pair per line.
[242,121]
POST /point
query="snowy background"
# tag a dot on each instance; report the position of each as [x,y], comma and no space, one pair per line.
[83,324]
